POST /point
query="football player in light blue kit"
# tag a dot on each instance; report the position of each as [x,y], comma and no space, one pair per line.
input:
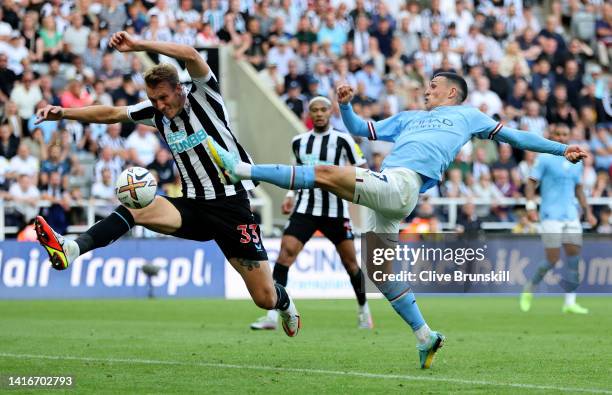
[560,187]
[425,144]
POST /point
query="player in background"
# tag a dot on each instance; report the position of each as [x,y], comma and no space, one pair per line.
[207,210]
[316,209]
[560,187]
[425,143]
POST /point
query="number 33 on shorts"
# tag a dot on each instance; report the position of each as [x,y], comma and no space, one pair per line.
[247,237]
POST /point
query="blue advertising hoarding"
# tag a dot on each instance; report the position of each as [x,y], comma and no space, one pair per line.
[187,269]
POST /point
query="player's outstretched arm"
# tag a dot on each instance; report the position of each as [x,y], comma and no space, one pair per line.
[353,122]
[91,114]
[533,142]
[196,66]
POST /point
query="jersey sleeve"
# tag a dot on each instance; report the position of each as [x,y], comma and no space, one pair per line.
[388,129]
[385,130]
[481,125]
[538,169]
[352,152]
[207,83]
[143,113]
[295,149]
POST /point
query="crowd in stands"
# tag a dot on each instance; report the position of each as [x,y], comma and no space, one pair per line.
[534,66]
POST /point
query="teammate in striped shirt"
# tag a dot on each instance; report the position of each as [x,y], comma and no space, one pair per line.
[208,209]
[425,143]
[317,209]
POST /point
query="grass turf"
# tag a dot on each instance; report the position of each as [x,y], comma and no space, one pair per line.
[488,339]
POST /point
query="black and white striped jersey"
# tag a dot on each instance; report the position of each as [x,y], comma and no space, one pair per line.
[329,148]
[203,114]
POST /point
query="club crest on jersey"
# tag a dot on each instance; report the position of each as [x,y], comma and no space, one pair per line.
[179,141]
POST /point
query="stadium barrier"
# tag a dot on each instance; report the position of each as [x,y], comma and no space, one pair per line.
[192,269]
[263,201]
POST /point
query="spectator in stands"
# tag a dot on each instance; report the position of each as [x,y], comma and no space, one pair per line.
[605,222]
[8,141]
[525,166]
[7,79]
[104,190]
[533,121]
[25,195]
[454,186]
[24,163]
[25,95]
[108,161]
[163,166]
[36,144]
[142,145]
[55,164]
[295,100]
[468,222]
[76,34]
[601,146]
[483,94]
[506,160]
[333,33]
[75,95]
[524,225]
[271,78]
[113,140]
[53,192]
[49,43]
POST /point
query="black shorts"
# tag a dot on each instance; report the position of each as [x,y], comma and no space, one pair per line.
[228,221]
[302,226]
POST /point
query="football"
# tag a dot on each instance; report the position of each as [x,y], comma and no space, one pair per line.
[136,187]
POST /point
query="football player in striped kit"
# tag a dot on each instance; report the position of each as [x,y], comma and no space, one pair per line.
[208,210]
[316,209]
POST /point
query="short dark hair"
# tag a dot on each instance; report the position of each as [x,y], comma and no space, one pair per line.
[456,80]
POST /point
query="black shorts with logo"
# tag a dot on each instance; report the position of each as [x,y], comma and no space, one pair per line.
[302,227]
[228,221]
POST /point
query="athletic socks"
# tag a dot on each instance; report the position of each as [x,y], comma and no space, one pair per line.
[284,176]
[544,267]
[570,298]
[572,280]
[282,298]
[280,274]
[407,308]
[104,232]
[358,283]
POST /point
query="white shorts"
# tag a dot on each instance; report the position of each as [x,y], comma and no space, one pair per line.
[391,195]
[555,233]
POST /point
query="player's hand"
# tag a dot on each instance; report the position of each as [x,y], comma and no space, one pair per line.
[591,219]
[575,153]
[49,113]
[345,94]
[287,206]
[123,42]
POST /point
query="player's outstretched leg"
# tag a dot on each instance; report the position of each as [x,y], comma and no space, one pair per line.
[63,251]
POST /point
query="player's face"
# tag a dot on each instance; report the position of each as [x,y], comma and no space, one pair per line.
[437,93]
[320,114]
[167,99]
[561,135]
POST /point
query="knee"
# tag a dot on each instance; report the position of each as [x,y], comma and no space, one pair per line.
[266,298]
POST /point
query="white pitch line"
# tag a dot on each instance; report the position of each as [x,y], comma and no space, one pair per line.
[311,371]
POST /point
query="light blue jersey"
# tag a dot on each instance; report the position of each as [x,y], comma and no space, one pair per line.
[428,141]
[558,179]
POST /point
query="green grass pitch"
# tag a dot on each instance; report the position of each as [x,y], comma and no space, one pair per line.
[205,346]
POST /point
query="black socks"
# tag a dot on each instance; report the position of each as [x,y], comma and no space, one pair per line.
[104,232]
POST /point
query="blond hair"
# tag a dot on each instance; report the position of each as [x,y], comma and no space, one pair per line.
[163,72]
